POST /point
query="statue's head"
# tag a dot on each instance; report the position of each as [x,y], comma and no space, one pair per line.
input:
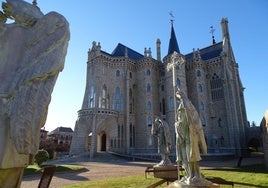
[22,12]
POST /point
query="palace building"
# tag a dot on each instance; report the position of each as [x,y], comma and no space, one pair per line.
[126,89]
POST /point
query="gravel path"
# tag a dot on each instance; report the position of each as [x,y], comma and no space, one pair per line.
[106,166]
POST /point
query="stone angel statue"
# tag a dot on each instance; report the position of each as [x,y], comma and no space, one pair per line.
[160,129]
[189,140]
[32,53]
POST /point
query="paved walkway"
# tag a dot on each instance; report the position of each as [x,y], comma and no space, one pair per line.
[106,165]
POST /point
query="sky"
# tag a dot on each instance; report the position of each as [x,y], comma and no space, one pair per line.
[138,23]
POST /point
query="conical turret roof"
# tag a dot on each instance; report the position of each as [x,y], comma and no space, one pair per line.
[173,44]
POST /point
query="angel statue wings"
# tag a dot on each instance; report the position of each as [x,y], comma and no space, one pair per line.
[32,53]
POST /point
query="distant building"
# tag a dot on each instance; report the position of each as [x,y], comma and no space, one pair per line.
[61,135]
[125,89]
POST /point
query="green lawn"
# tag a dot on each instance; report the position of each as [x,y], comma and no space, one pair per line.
[246,176]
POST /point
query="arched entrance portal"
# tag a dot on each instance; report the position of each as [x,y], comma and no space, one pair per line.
[103,142]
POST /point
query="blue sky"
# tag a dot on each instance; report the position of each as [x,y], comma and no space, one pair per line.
[138,23]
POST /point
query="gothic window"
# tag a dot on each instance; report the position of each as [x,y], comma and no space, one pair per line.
[171,103]
[118,131]
[112,145]
[103,97]
[117,73]
[164,107]
[118,100]
[219,122]
[200,88]
[216,87]
[130,101]
[130,75]
[149,121]
[201,106]
[203,121]
[162,87]
[177,67]
[148,72]
[148,88]
[178,82]
[149,105]
[132,135]
[198,73]
[91,97]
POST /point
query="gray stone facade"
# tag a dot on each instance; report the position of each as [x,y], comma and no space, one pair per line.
[125,89]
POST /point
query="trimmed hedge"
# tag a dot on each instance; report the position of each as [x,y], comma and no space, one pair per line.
[41,156]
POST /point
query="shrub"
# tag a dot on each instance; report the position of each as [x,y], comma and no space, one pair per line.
[41,156]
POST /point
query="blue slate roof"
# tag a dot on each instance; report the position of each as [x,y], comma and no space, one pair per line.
[209,52]
[120,50]
[173,44]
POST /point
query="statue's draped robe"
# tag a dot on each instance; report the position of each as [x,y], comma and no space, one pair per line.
[30,59]
[190,133]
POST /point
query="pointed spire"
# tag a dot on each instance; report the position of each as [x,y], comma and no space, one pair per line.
[173,44]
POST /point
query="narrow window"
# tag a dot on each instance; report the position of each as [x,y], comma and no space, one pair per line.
[148,72]
[149,121]
[91,97]
[198,73]
[200,88]
[202,106]
[149,105]
[117,73]
[203,121]
[148,88]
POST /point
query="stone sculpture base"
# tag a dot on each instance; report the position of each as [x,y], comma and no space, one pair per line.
[208,184]
[166,172]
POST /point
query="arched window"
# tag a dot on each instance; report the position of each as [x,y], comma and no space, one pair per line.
[203,121]
[118,100]
[117,73]
[149,106]
[200,88]
[132,135]
[148,88]
[219,122]
[202,106]
[216,87]
[149,121]
[198,73]
[164,107]
[148,72]
[130,101]
[130,75]
[103,97]
[177,67]
[91,97]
